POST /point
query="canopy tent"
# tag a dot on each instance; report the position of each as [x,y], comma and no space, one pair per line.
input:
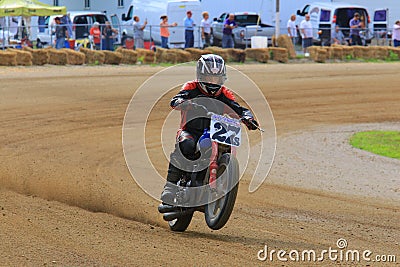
[28,8]
[25,9]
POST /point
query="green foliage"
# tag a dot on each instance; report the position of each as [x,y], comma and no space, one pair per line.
[349,57]
[140,59]
[384,143]
[392,56]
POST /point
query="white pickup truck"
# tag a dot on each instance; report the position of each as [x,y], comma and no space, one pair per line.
[249,24]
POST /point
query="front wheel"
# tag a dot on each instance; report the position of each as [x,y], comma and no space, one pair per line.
[217,213]
[181,224]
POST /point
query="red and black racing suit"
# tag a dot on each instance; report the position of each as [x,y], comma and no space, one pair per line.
[191,129]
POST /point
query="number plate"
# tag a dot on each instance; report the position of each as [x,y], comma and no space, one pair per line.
[225,130]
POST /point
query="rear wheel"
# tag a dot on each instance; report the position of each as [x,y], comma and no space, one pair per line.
[217,213]
[181,224]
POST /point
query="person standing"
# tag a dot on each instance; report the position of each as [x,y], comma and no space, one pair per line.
[66,21]
[355,26]
[96,35]
[229,25]
[138,32]
[292,29]
[188,22]
[306,30]
[61,32]
[164,30]
[396,34]
[109,34]
[206,29]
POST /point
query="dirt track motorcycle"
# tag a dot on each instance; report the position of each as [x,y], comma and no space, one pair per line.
[218,183]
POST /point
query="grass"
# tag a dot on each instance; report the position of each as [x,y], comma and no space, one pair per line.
[384,143]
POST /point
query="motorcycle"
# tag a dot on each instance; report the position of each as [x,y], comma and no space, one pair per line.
[217,184]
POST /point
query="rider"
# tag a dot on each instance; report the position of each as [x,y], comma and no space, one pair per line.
[211,75]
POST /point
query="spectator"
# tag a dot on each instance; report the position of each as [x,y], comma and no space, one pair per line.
[61,32]
[396,34]
[306,33]
[292,29]
[66,21]
[164,30]
[138,32]
[188,22]
[206,29]
[109,34]
[229,25]
[95,34]
[337,36]
[355,26]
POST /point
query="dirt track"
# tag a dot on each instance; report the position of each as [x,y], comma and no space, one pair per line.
[66,196]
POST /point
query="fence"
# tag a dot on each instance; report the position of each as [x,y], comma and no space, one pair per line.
[14,36]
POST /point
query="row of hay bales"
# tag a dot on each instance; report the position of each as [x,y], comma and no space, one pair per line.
[341,52]
[28,56]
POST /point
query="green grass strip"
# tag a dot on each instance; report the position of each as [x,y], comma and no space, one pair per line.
[384,143]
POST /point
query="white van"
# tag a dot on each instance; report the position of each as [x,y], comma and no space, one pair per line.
[82,21]
[325,16]
[152,10]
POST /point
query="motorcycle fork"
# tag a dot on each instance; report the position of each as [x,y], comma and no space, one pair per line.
[213,165]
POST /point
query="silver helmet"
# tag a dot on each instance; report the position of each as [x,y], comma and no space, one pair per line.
[211,73]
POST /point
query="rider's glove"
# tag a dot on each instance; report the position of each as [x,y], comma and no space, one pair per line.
[184,104]
[250,122]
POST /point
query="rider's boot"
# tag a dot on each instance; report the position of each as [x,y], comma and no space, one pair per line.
[170,188]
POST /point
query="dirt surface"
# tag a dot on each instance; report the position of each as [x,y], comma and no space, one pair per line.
[67,198]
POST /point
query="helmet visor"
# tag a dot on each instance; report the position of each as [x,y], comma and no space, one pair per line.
[212,79]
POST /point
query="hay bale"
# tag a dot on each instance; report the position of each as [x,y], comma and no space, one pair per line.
[348,52]
[39,56]
[159,54]
[279,54]
[382,52]
[57,57]
[24,58]
[93,56]
[128,56]
[195,53]
[112,58]
[312,50]
[74,57]
[182,56]
[236,55]
[218,51]
[145,56]
[258,54]
[337,52]
[371,53]
[360,51]
[8,58]
[321,55]
[284,41]
[165,56]
[27,49]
